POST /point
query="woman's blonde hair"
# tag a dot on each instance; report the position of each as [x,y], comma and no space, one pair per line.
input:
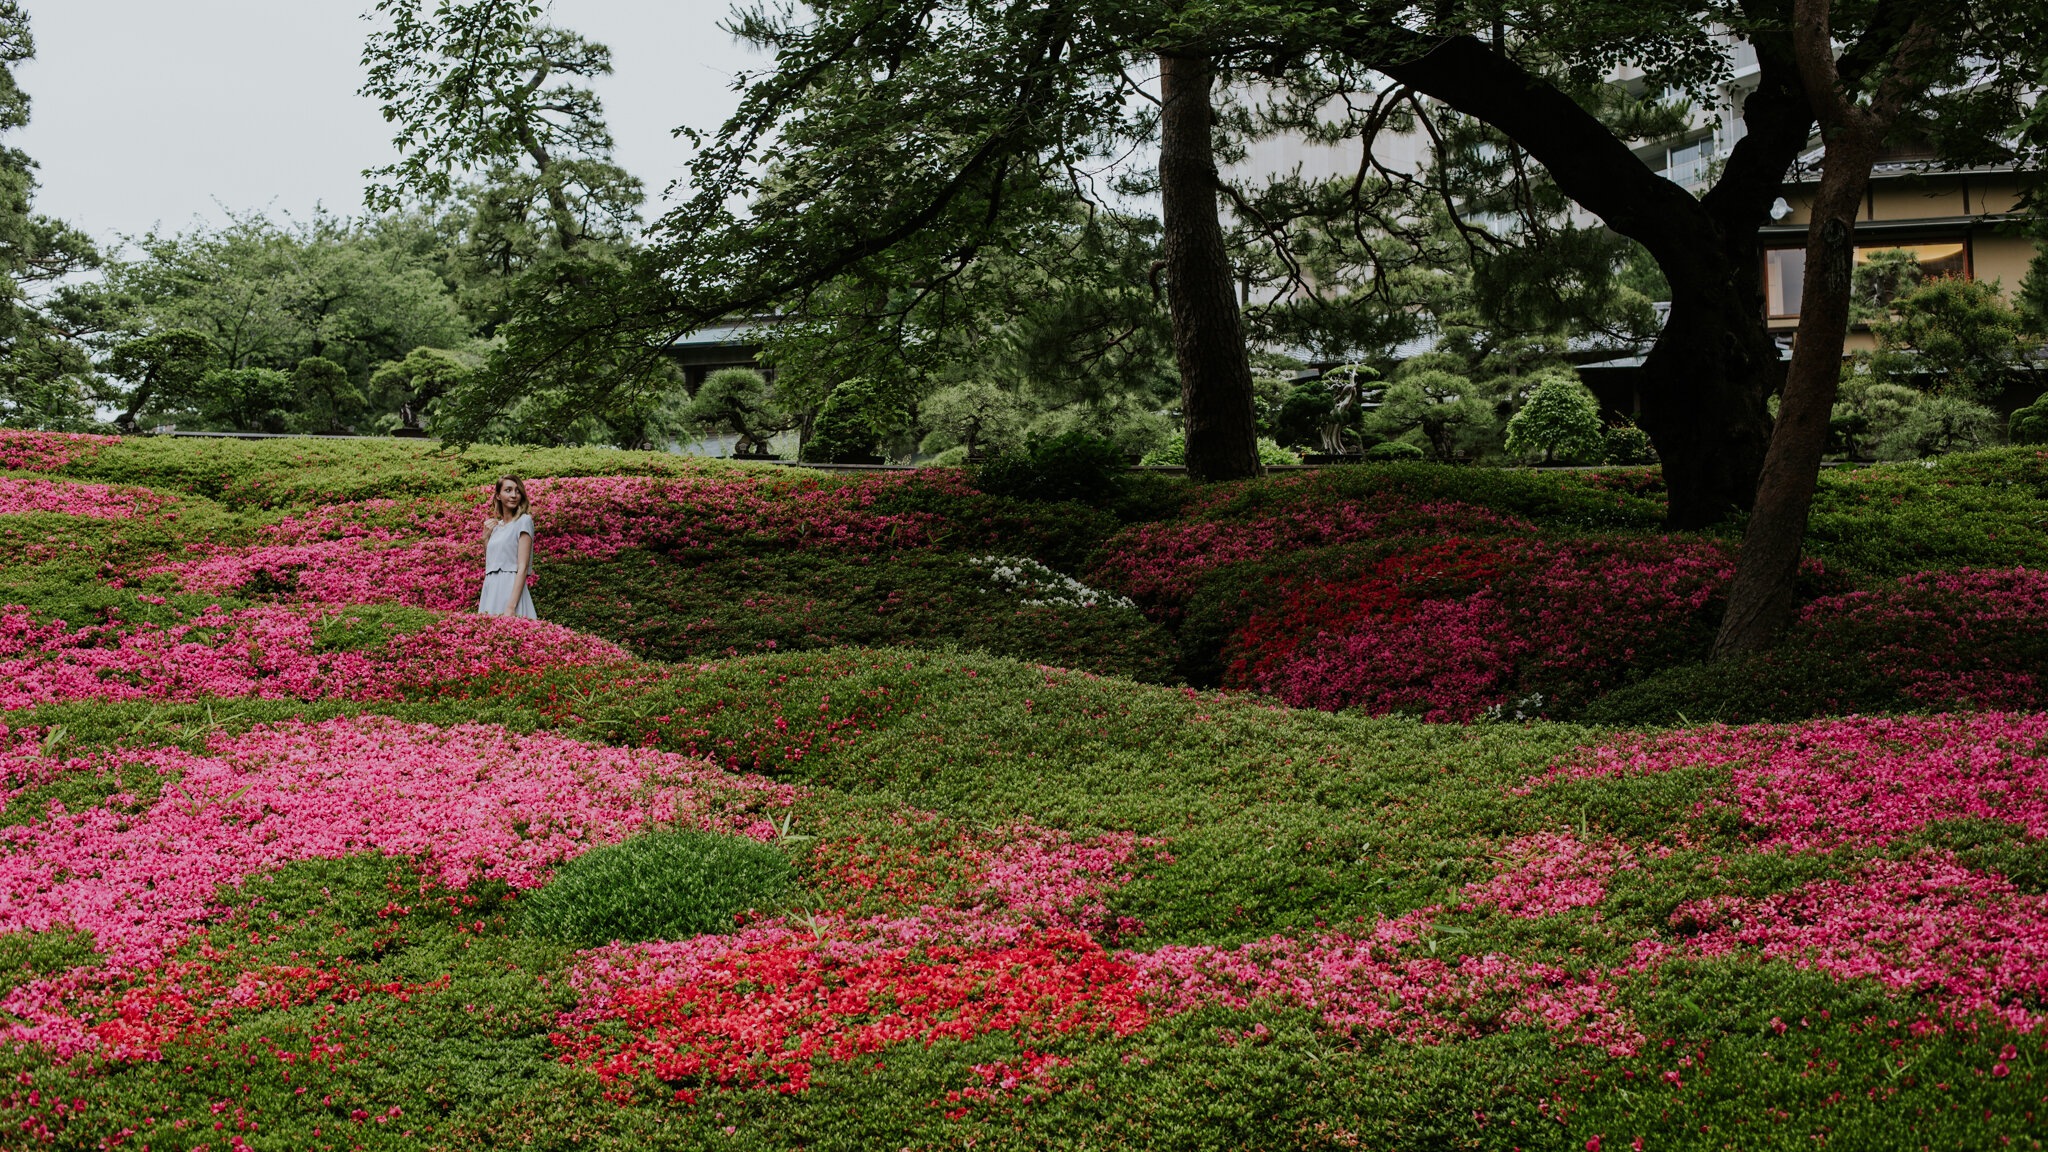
[498,497]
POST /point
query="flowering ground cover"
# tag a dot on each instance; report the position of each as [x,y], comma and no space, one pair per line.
[269,828]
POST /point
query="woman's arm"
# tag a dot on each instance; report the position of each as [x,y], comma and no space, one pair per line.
[525,566]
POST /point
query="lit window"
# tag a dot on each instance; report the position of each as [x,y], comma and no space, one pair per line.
[1936,260]
[1785,270]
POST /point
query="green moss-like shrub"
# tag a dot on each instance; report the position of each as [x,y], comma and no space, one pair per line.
[660,885]
[804,602]
[1785,684]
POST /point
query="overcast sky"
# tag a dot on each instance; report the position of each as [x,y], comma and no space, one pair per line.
[153,112]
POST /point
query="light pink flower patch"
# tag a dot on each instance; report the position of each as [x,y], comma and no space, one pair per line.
[1549,873]
[441,574]
[1863,780]
[1379,982]
[474,800]
[98,501]
[1054,880]
[1925,928]
[268,651]
[47,451]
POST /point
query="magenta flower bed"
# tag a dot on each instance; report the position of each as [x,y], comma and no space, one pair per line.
[1159,564]
[98,501]
[475,800]
[1974,636]
[267,652]
[1458,626]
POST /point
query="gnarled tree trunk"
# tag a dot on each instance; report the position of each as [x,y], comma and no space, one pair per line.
[1707,378]
[1201,291]
[1761,601]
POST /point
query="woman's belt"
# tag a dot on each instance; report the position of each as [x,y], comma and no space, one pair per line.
[496,571]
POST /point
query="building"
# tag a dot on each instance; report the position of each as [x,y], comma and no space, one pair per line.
[735,344]
[1957,222]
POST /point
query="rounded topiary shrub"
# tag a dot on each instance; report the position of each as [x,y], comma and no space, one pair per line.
[655,886]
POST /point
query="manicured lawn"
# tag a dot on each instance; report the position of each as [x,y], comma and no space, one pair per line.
[1239,845]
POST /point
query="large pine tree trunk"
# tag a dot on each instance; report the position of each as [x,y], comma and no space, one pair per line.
[1201,291]
[1703,391]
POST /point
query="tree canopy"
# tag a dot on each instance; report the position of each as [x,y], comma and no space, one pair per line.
[896,144]
[46,377]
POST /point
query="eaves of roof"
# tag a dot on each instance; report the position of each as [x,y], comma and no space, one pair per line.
[1806,169]
[1891,227]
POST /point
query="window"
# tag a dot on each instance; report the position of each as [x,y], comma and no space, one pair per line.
[1785,269]
[1784,280]
[1936,260]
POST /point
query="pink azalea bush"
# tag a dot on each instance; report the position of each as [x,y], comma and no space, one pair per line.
[271,652]
[475,800]
[429,553]
[1456,626]
[1972,636]
[22,451]
[1549,873]
[1377,982]
[1969,945]
[98,501]
[1858,781]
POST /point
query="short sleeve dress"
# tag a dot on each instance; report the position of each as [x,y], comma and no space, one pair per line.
[501,568]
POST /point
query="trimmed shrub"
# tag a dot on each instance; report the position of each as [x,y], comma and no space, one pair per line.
[807,602]
[1627,444]
[841,434]
[1787,684]
[1561,419]
[655,886]
[1073,466]
[2029,425]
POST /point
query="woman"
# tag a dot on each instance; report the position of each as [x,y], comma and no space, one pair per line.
[508,553]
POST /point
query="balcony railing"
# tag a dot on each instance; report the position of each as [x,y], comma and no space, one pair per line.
[1690,173]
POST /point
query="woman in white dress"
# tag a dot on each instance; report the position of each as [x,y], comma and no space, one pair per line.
[508,553]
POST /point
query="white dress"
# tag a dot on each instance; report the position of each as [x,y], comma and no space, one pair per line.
[501,568]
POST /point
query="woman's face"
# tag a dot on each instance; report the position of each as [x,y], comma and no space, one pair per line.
[508,494]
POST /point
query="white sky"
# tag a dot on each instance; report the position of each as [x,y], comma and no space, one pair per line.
[154,112]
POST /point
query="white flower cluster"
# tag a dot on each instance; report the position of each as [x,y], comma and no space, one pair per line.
[1529,707]
[1053,589]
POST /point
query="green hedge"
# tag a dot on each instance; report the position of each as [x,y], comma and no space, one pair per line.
[660,885]
[801,602]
